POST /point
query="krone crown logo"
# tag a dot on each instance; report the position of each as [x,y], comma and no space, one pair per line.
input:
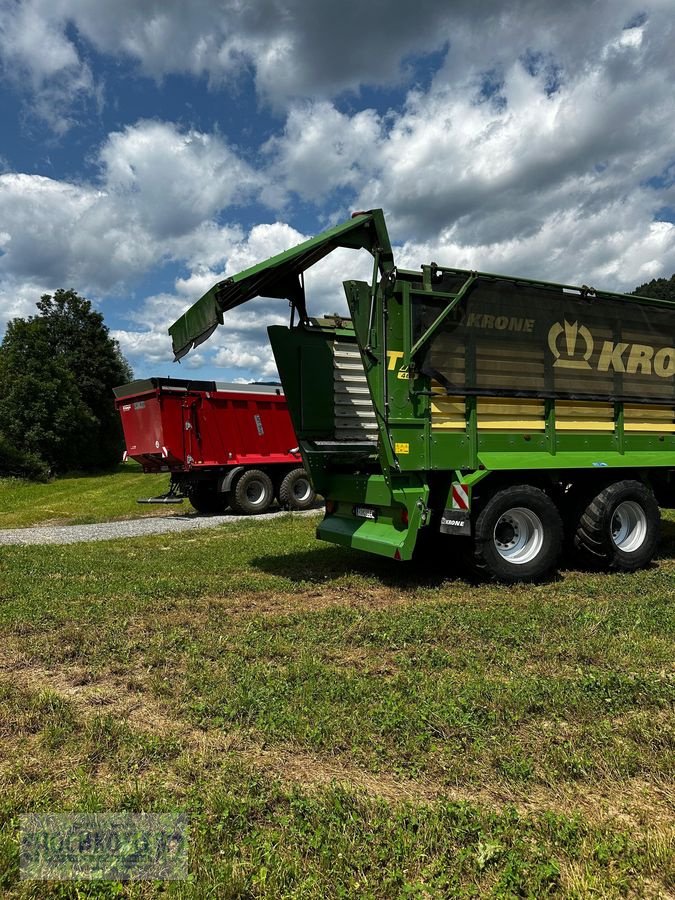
[570,359]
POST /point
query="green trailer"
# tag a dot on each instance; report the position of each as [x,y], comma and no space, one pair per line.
[468,413]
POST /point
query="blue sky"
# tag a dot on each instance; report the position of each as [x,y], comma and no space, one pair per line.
[149,147]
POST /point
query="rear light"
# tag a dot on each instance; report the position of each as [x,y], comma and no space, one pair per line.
[397,555]
[404,516]
[330,507]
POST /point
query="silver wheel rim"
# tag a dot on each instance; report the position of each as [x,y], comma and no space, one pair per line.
[629,526]
[255,493]
[518,535]
[302,490]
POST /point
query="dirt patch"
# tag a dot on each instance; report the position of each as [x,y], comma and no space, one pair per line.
[315,600]
[369,661]
[640,803]
[637,802]
[123,696]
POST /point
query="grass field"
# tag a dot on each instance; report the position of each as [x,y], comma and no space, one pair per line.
[342,726]
[79,500]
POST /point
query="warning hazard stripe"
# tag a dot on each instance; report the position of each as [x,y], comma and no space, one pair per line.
[460,496]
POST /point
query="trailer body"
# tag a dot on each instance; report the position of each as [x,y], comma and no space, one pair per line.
[209,434]
[503,413]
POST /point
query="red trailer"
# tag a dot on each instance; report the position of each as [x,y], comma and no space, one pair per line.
[224,444]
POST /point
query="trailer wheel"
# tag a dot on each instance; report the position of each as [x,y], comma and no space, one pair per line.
[620,527]
[205,497]
[253,492]
[518,535]
[296,491]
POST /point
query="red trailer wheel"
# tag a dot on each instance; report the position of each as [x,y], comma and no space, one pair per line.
[205,497]
[296,491]
[253,492]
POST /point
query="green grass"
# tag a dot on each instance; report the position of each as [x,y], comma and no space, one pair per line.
[81,499]
[338,725]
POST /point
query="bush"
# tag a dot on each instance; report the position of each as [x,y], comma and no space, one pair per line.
[17,464]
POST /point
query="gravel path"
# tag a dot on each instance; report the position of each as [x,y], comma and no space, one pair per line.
[108,531]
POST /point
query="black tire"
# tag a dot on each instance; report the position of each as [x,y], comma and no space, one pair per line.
[518,535]
[296,491]
[253,492]
[205,497]
[571,509]
[620,527]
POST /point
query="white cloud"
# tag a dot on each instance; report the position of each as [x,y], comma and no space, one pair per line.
[296,51]
[549,177]
[18,297]
[44,223]
[616,250]
[174,180]
[242,345]
[38,57]
[37,41]
[150,346]
[292,49]
[322,150]
[453,151]
[257,359]
[158,192]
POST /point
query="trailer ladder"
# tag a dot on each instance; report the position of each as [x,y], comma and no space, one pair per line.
[355,418]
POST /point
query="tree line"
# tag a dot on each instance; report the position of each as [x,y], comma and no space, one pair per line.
[57,372]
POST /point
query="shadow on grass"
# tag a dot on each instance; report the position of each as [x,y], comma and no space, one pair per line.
[667,547]
[130,467]
[327,562]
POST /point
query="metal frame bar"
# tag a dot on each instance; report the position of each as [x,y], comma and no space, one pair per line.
[588,292]
[433,328]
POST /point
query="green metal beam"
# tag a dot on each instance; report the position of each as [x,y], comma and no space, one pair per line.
[501,460]
[433,328]
[589,292]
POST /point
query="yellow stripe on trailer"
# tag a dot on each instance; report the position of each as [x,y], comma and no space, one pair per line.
[508,414]
[577,415]
[520,414]
[447,413]
[649,418]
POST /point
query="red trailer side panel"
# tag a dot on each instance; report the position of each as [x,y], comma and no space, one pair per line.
[182,425]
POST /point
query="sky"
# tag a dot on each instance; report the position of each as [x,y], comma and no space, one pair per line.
[148,148]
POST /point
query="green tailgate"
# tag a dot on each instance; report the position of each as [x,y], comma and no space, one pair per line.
[278,277]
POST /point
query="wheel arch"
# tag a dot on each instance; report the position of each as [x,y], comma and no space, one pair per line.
[226,481]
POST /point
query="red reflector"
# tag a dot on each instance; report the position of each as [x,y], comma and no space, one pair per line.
[397,555]
[404,516]
[330,506]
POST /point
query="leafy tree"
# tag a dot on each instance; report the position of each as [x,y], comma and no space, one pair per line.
[658,288]
[57,371]
[41,410]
